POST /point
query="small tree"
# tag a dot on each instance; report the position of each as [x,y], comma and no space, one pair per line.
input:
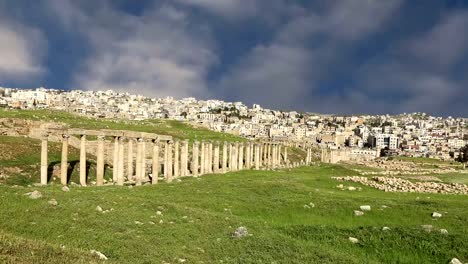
[463,157]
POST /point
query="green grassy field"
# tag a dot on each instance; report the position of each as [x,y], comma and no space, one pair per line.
[199,215]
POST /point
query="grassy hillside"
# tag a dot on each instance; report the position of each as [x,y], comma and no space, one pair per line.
[198,216]
[173,128]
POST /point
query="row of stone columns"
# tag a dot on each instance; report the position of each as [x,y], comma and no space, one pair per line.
[178,161]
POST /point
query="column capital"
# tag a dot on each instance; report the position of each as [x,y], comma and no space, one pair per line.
[65,136]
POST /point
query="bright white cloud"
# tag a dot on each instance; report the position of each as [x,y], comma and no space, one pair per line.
[21,51]
[160,53]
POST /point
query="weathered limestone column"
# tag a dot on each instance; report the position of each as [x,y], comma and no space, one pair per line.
[269,155]
[139,161]
[280,149]
[231,157]
[195,158]
[207,158]
[121,167]
[235,157]
[257,156]
[225,152]
[273,156]
[248,157]
[176,159]
[262,147]
[143,160]
[216,158]
[44,161]
[202,158]
[240,165]
[64,162]
[130,159]
[155,162]
[83,160]
[115,160]
[286,155]
[100,161]
[184,159]
[210,157]
[169,161]
[166,156]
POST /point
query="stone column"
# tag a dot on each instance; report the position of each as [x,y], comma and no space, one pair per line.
[121,166]
[176,159]
[272,156]
[231,157]
[202,158]
[257,156]
[83,160]
[235,156]
[280,148]
[248,157]
[224,164]
[195,158]
[241,157]
[100,161]
[155,162]
[143,160]
[115,160]
[130,159]
[139,161]
[44,161]
[286,155]
[169,161]
[184,159]
[269,155]
[216,158]
[166,156]
[262,154]
[210,157]
[64,162]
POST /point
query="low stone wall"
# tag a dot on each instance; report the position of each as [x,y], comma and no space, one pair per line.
[393,184]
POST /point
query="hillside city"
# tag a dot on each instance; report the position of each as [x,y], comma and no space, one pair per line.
[415,134]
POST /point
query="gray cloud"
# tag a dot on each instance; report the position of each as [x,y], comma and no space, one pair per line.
[287,71]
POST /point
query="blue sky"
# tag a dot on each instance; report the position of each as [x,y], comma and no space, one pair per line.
[334,56]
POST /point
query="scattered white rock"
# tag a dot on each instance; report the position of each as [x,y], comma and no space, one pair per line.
[240,232]
[53,202]
[306,206]
[351,188]
[98,254]
[427,228]
[65,189]
[444,231]
[181,260]
[385,228]
[365,207]
[151,223]
[353,240]
[34,194]
[312,205]
[358,213]
[99,208]
[161,221]
[158,212]
[436,215]
[455,261]
[138,223]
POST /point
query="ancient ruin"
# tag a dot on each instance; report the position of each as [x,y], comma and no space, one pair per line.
[158,156]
